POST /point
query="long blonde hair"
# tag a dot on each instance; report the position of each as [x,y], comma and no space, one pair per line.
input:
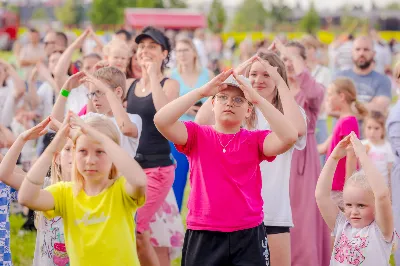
[104,125]
[189,42]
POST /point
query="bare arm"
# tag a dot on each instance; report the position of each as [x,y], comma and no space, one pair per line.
[64,62]
[379,103]
[167,118]
[161,96]
[59,107]
[290,107]
[326,205]
[30,194]
[205,115]
[323,147]
[32,90]
[8,173]
[383,206]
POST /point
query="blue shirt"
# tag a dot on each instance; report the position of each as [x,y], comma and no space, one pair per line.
[370,85]
[7,194]
[204,77]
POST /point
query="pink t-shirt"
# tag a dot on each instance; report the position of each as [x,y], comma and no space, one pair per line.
[225,191]
[83,111]
[344,126]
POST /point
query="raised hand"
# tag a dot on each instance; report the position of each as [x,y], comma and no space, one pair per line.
[74,81]
[81,39]
[358,147]
[250,93]
[341,148]
[215,85]
[272,71]
[241,69]
[151,69]
[101,86]
[36,131]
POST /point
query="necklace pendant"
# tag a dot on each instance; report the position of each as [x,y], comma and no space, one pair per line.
[224,150]
[143,90]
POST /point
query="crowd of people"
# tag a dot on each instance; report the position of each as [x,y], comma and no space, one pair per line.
[99,139]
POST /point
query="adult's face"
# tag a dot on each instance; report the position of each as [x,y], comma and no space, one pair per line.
[363,53]
[50,43]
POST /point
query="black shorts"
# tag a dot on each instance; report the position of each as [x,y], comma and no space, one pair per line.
[274,230]
[247,247]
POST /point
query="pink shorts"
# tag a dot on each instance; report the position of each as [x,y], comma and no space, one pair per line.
[159,183]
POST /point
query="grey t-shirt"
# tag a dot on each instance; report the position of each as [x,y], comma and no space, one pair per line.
[369,86]
[360,247]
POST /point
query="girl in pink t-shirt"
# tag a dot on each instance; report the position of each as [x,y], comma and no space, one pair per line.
[342,98]
[225,218]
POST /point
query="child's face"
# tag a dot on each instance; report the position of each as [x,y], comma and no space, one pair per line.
[118,58]
[99,100]
[91,160]
[333,98]
[89,63]
[373,130]
[359,206]
[66,159]
[261,81]
[231,107]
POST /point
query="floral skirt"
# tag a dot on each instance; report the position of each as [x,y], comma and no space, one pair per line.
[166,227]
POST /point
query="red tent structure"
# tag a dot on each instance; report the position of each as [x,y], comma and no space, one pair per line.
[164,18]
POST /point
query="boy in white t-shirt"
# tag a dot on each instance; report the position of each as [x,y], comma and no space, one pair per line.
[106,91]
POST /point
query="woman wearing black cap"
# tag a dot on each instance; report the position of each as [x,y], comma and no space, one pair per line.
[145,97]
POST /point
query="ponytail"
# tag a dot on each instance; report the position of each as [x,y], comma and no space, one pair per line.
[362,111]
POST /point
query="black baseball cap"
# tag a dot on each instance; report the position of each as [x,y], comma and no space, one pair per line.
[156,35]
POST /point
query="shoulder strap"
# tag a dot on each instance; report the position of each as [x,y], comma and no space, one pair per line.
[133,86]
[163,81]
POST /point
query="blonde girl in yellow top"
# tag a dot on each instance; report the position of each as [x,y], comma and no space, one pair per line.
[98,206]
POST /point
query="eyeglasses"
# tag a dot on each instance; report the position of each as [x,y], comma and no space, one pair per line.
[237,100]
[97,93]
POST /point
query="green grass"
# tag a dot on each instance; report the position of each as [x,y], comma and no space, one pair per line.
[22,246]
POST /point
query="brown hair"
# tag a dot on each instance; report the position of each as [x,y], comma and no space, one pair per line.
[190,43]
[347,87]
[107,127]
[299,46]
[379,118]
[274,60]
[112,76]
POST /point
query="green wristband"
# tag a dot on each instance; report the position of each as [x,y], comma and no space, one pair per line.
[64,93]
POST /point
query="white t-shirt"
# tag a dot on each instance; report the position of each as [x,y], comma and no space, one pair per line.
[127,143]
[46,94]
[275,181]
[363,247]
[381,155]
[77,99]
